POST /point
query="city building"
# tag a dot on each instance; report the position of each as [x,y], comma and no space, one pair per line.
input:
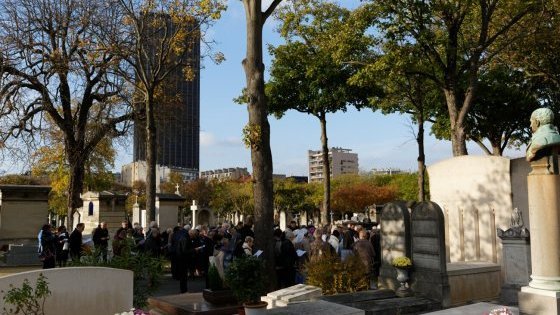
[231,173]
[341,162]
[177,121]
[387,171]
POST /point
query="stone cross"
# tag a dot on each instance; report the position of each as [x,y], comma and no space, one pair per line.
[177,189]
[194,207]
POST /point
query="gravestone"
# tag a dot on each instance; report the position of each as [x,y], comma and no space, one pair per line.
[395,241]
[516,249]
[429,278]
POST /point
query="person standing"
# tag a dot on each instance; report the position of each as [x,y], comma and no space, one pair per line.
[364,250]
[48,247]
[62,246]
[75,241]
[101,240]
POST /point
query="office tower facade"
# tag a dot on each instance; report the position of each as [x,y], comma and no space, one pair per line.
[177,122]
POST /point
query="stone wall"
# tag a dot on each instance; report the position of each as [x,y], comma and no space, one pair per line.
[23,211]
[475,194]
[84,290]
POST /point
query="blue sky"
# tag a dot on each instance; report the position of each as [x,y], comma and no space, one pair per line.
[380,141]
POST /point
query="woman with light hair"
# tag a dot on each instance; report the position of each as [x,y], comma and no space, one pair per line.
[248,246]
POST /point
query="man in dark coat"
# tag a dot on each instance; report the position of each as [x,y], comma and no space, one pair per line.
[186,252]
[364,250]
[101,240]
[76,242]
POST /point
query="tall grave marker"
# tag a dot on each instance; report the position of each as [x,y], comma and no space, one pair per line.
[428,253]
[395,241]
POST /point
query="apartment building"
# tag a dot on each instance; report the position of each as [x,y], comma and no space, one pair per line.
[342,161]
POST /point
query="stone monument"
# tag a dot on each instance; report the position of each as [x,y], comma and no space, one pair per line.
[428,253]
[516,258]
[542,295]
[395,241]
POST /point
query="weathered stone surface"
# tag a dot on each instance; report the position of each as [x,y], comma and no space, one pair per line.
[474,309]
[25,255]
[293,294]
[517,268]
[473,281]
[348,298]
[539,302]
[395,241]
[429,278]
[24,211]
[316,307]
[187,304]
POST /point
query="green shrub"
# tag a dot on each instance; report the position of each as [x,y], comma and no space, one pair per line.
[214,280]
[335,276]
[26,300]
[245,276]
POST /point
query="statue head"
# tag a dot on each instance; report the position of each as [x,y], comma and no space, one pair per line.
[540,117]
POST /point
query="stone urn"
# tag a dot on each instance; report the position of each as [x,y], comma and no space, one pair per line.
[402,276]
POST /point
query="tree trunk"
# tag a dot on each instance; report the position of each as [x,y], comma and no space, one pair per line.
[151,159]
[261,156]
[76,185]
[421,157]
[457,132]
[326,170]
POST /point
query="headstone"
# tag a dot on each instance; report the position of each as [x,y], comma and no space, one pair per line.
[395,241]
[429,278]
[167,210]
[516,258]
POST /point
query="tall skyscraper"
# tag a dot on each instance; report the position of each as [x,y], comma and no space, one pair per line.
[177,122]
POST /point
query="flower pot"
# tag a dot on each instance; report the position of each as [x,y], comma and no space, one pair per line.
[255,309]
[402,276]
[219,297]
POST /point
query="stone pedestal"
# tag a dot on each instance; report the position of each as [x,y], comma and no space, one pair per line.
[516,261]
[542,296]
[544,219]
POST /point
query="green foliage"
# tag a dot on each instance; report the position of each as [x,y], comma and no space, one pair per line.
[27,300]
[147,270]
[215,282]
[246,277]
[407,186]
[290,195]
[334,276]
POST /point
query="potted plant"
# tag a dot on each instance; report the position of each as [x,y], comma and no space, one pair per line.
[217,293]
[246,278]
[402,264]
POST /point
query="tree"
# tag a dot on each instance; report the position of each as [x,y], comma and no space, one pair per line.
[257,131]
[457,39]
[291,196]
[307,76]
[403,90]
[53,75]
[514,95]
[360,195]
[51,162]
[156,44]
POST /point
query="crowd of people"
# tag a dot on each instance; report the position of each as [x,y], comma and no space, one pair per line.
[191,250]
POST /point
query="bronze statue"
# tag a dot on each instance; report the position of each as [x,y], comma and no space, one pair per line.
[545,133]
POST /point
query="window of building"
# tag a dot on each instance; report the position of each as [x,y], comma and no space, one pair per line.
[90,208]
